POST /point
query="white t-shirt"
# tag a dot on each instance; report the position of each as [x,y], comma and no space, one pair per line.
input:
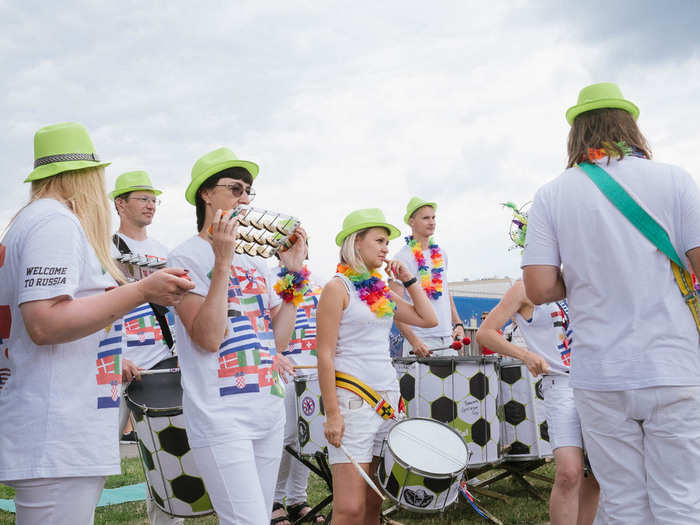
[302,345]
[145,346]
[233,392]
[443,308]
[548,333]
[362,349]
[633,329]
[59,403]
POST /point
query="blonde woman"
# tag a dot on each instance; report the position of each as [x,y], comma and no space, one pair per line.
[60,333]
[354,318]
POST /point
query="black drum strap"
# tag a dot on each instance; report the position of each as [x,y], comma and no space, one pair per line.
[159,311]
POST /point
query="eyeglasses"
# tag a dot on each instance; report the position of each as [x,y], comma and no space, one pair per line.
[238,189]
[147,200]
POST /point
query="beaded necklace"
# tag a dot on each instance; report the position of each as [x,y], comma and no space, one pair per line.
[371,289]
[430,280]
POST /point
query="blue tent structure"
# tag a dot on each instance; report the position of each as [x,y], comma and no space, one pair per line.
[469,307]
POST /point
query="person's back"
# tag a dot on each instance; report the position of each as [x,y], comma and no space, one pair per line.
[621,290]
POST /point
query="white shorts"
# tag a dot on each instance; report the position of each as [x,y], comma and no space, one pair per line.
[562,418]
[365,430]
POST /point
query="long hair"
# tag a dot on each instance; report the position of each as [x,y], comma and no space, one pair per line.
[603,129]
[84,191]
[237,173]
[349,254]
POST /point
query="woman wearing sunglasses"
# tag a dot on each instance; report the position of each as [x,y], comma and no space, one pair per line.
[229,328]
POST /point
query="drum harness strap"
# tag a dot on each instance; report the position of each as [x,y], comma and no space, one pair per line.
[158,311]
[356,386]
[648,227]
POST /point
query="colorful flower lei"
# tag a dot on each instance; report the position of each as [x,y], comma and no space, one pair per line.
[518,225]
[430,280]
[371,289]
[599,153]
[292,286]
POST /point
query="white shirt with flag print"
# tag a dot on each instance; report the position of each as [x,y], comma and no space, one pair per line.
[59,403]
[233,392]
[302,345]
[145,346]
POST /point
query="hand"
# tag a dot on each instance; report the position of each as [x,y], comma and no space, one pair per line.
[283,366]
[334,428]
[293,258]
[397,270]
[166,287]
[130,371]
[536,364]
[223,231]
[421,349]
[458,333]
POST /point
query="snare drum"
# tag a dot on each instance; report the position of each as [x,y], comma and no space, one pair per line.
[310,415]
[172,477]
[421,464]
[522,412]
[462,392]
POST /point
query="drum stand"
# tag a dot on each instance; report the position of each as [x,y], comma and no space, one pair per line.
[518,470]
[323,471]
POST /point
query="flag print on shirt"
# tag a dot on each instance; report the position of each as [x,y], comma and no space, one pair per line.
[5,328]
[109,374]
[304,336]
[141,327]
[560,319]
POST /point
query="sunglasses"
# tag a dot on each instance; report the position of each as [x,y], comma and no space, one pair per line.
[238,189]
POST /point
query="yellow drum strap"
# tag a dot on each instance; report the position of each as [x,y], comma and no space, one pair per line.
[366,392]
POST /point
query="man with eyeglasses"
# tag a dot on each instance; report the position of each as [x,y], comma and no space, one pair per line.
[135,200]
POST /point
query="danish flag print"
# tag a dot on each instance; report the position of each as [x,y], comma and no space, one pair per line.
[109,373]
[141,327]
[304,336]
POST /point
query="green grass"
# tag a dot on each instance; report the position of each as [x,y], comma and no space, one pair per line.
[522,509]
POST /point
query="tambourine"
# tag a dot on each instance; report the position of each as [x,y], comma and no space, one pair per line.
[262,233]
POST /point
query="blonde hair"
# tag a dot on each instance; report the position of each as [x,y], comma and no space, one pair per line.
[349,254]
[85,193]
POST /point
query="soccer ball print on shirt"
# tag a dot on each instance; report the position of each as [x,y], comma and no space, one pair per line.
[246,353]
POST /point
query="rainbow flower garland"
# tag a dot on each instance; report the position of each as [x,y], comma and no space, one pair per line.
[292,286]
[599,153]
[430,280]
[371,289]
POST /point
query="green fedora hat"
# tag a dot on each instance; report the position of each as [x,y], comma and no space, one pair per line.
[133,181]
[365,218]
[212,163]
[598,96]
[414,204]
[62,147]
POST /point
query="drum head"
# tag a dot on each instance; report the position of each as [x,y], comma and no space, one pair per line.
[159,394]
[428,446]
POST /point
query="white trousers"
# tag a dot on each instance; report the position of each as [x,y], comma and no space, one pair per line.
[240,477]
[57,501]
[644,447]
[293,475]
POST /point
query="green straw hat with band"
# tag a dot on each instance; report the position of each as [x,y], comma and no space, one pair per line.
[599,96]
[133,181]
[414,204]
[62,147]
[211,164]
[365,218]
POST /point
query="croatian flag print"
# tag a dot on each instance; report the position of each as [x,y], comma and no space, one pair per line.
[246,353]
[304,335]
[109,373]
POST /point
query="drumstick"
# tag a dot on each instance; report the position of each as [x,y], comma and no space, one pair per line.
[160,371]
[362,472]
[456,345]
[298,367]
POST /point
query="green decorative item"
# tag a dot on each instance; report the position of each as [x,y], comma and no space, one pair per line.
[599,96]
[62,147]
[414,204]
[212,163]
[133,181]
[365,218]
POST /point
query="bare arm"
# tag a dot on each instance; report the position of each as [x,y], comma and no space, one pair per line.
[404,328]
[513,301]
[458,331]
[421,313]
[544,284]
[334,299]
[62,319]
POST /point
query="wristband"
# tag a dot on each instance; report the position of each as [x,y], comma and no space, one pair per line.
[410,282]
[292,286]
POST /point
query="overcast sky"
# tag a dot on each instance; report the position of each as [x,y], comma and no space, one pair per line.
[345,105]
